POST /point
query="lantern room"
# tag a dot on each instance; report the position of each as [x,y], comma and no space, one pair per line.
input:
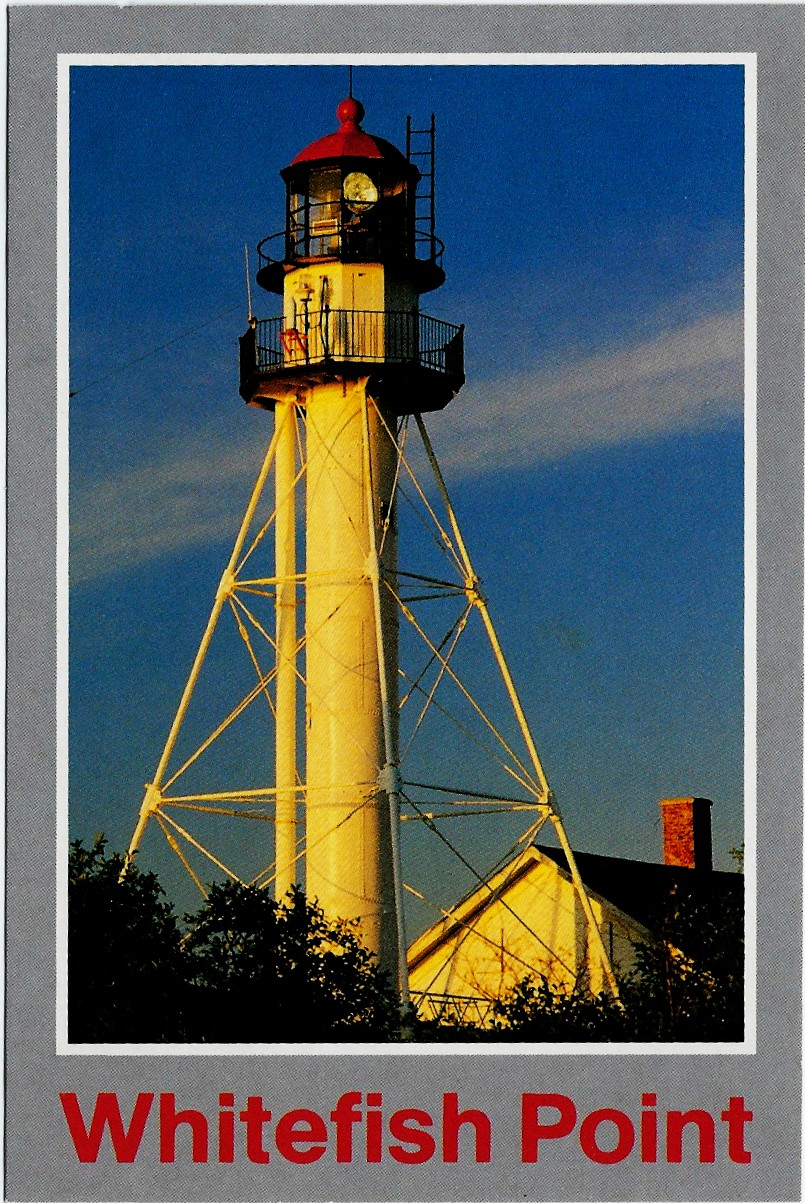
[357,251]
[352,197]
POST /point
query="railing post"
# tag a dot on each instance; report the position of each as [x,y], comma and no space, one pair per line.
[324,327]
[396,336]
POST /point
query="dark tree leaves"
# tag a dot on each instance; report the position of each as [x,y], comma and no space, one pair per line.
[125,967]
[267,972]
[246,969]
[687,985]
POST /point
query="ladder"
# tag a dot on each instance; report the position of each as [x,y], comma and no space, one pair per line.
[420,150]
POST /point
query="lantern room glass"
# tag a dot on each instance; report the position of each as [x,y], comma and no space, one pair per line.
[324,223]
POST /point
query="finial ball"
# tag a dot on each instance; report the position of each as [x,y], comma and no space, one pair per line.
[350,112]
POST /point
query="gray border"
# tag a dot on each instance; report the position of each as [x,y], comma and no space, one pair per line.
[40,1161]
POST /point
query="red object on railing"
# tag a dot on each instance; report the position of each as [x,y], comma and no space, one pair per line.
[293,338]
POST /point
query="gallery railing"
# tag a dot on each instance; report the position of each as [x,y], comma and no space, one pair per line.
[359,336]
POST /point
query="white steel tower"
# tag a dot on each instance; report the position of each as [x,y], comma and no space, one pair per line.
[349,359]
[351,351]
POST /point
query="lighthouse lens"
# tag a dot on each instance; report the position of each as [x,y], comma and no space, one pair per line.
[360,193]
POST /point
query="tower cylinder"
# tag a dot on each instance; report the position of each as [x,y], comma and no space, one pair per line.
[286,626]
[353,352]
[348,844]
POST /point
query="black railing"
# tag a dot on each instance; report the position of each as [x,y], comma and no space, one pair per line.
[452,1008]
[360,336]
[329,239]
[276,254]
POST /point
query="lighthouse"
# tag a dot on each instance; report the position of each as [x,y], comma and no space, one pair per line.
[351,354]
[347,369]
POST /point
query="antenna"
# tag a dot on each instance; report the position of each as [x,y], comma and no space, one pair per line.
[248,283]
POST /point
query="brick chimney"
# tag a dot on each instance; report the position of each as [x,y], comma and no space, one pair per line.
[686,836]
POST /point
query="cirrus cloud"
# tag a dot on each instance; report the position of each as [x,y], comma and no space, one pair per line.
[686,379]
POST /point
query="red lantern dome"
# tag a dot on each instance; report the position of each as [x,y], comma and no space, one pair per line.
[351,197]
[351,142]
[357,251]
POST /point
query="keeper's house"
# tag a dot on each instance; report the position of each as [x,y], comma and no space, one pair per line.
[527,920]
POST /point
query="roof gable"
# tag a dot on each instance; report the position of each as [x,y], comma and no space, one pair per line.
[640,887]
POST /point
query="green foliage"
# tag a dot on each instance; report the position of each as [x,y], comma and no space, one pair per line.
[268,972]
[544,1012]
[252,970]
[686,986]
[689,985]
[247,969]
[446,1031]
[125,968]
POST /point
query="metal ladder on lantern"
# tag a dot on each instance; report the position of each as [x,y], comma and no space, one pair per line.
[420,150]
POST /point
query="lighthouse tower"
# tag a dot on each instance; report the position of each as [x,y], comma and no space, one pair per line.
[350,354]
[348,368]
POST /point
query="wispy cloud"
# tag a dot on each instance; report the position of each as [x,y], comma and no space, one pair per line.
[689,378]
[191,495]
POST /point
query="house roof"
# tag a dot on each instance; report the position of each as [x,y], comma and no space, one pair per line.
[637,888]
[640,887]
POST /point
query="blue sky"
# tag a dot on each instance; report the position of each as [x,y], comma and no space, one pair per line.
[593,220]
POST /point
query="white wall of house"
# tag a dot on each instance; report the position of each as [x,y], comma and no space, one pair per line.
[527,921]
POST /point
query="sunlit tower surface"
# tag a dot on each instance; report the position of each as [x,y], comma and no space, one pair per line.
[352,352]
[345,367]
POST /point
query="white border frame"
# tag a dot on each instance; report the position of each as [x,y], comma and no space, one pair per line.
[749,63]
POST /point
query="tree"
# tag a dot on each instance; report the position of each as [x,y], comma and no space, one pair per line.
[245,969]
[253,970]
[125,967]
[262,971]
[542,1011]
[687,983]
